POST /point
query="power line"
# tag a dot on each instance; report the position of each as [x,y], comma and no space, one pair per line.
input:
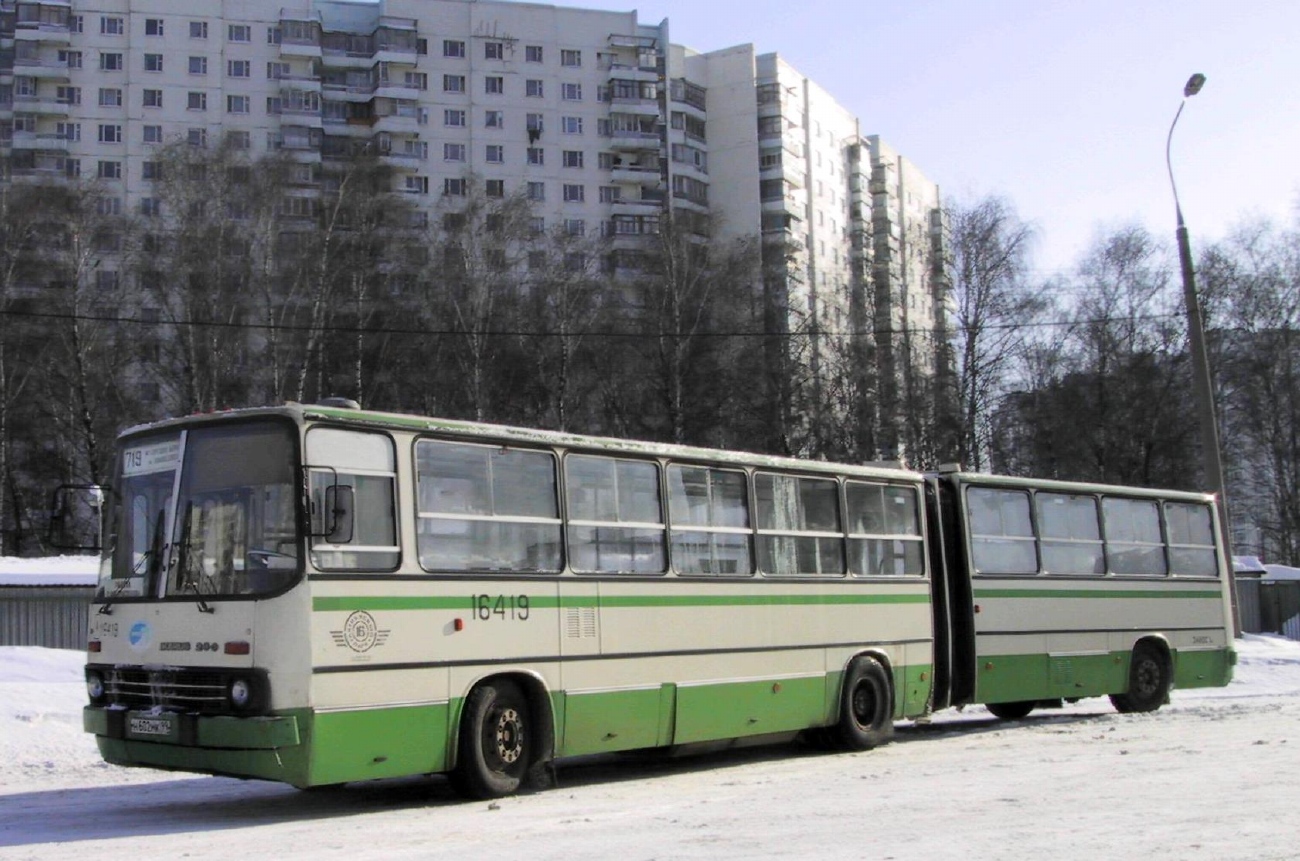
[349,329]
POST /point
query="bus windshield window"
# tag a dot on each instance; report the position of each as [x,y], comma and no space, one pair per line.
[234,528]
[138,531]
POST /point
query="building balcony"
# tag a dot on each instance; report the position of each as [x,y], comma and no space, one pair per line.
[625,72]
[348,92]
[408,123]
[41,142]
[50,34]
[46,68]
[404,54]
[636,175]
[305,117]
[395,90]
[639,106]
[357,127]
[300,49]
[629,141]
[43,106]
[346,59]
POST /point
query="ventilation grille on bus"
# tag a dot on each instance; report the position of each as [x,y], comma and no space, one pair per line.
[186,690]
[580,623]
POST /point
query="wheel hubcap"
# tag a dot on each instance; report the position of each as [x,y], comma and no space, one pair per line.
[864,705]
[509,736]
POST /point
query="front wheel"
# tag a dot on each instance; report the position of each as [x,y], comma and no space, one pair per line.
[866,706]
[496,743]
[1148,682]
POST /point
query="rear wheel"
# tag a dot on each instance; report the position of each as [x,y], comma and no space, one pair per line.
[866,706]
[1148,682]
[496,741]
[1011,711]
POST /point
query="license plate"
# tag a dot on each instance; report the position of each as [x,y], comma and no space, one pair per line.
[150,726]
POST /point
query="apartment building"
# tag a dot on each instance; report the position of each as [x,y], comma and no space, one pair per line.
[595,116]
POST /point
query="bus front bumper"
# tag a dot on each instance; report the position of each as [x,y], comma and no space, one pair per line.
[189,730]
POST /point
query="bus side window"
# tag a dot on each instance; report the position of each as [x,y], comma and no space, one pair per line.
[1134,544]
[884,530]
[709,512]
[1191,539]
[1070,534]
[1001,531]
[354,522]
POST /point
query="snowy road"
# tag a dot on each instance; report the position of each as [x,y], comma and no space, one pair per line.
[1215,775]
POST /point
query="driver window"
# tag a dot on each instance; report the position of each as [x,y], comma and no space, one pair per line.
[353,500]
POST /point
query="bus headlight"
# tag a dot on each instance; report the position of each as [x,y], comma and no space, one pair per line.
[241,693]
[94,686]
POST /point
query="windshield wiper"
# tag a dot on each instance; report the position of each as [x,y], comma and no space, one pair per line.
[186,581]
[153,556]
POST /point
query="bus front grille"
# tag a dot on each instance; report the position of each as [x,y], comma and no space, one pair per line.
[184,690]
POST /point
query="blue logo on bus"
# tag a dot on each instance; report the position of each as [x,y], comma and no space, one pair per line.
[140,636]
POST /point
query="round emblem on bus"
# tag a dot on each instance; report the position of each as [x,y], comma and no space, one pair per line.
[140,636]
[360,631]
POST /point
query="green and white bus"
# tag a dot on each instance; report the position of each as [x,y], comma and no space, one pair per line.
[320,594]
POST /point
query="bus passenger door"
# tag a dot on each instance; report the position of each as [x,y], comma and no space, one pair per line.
[954,619]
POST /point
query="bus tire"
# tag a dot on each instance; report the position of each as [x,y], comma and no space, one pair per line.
[866,706]
[1011,711]
[1148,682]
[496,741]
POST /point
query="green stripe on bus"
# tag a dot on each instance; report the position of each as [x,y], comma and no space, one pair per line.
[538,602]
[1095,593]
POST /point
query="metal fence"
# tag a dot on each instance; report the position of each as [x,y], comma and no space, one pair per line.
[1269,606]
[52,616]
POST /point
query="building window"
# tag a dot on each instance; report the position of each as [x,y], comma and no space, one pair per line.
[574,193]
[610,194]
[239,68]
[575,227]
[494,85]
[455,187]
[240,140]
[110,170]
[111,61]
[571,92]
[571,125]
[239,33]
[416,80]
[572,158]
[537,191]
[606,160]
[150,207]
[68,95]
[495,154]
[452,117]
[111,26]
[533,53]
[153,134]
[153,62]
[495,188]
[534,122]
[533,88]
[274,35]
[153,26]
[237,104]
[453,152]
[110,97]
[416,185]
[71,59]
[453,83]
[278,71]
[198,29]
[196,101]
[536,155]
[197,137]
[571,58]
[153,170]
[494,120]
[453,48]
[493,50]
[105,279]
[198,65]
[110,133]
[153,98]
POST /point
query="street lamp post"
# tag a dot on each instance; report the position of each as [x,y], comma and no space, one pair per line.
[1204,390]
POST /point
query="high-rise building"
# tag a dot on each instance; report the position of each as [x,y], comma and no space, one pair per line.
[595,116]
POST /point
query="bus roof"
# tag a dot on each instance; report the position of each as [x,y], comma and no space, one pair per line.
[470,430]
[990,480]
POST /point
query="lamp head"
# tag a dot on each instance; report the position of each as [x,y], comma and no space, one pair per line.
[1194,84]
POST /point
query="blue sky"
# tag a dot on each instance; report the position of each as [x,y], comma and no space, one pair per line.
[1062,107]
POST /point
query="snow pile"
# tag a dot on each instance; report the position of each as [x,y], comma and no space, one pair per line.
[49,571]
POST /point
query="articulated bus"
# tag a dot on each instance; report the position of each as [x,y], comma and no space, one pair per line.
[317,594]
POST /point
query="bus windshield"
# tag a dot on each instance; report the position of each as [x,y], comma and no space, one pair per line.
[224,527]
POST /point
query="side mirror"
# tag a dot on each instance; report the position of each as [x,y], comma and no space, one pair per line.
[76,517]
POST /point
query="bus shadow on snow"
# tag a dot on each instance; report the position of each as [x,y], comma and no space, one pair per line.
[213,804]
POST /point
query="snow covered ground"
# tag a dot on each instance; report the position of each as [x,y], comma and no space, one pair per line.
[1214,775]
